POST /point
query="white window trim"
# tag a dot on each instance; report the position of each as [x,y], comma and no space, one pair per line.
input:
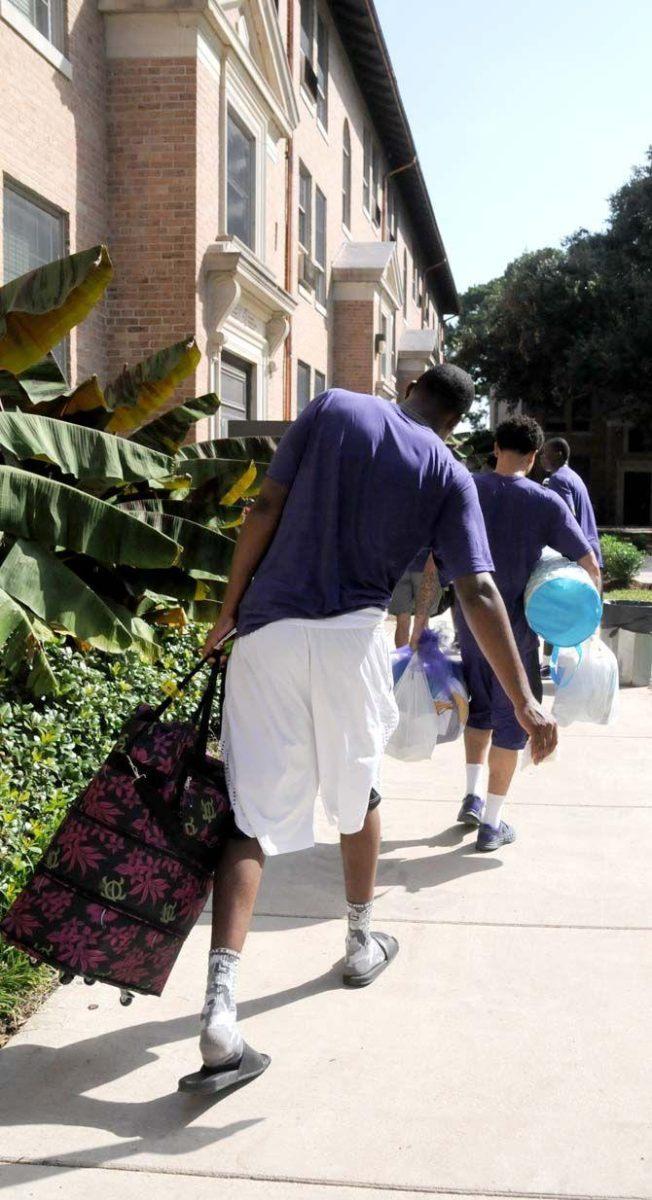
[24,27]
[251,346]
[254,120]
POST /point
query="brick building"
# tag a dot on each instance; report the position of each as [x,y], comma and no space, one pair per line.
[614,459]
[252,169]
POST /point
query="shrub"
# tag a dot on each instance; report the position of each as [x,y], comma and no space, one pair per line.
[49,751]
[622,561]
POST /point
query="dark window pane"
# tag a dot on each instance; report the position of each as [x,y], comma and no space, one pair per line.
[637,498]
[320,245]
[366,172]
[320,383]
[322,72]
[241,156]
[303,386]
[305,208]
[346,176]
[307,27]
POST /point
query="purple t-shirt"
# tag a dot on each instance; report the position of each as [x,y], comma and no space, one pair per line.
[368,487]
[521,518]
[573,491]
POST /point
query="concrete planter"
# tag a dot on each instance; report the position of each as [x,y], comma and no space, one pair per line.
[627,630]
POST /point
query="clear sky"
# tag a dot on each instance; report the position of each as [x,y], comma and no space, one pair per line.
[527,115]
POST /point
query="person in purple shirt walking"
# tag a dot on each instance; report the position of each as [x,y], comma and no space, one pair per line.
[521,517]
[356,488]
[555,458]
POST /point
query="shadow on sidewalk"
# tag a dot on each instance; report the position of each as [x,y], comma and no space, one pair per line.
[44,1086]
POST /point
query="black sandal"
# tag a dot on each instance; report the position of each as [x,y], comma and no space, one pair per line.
[389,947]
[210,1081]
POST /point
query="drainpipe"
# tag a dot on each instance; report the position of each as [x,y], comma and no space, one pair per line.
[289,190]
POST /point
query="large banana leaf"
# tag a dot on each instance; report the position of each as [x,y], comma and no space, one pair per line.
[80,452]
[260,449]
[180,585]
[145,392]
[222,517]
[54,514]
[231,477]
[35,577]
[22,645]
[143,637]
[202,549]
[39,309]
[43,382]
[169,432]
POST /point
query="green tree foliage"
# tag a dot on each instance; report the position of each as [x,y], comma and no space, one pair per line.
[573,323]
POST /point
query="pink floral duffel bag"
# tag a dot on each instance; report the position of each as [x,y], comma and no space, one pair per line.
[131,866]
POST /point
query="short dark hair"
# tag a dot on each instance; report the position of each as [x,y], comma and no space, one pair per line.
[449,387]
[560,447]
[524,435]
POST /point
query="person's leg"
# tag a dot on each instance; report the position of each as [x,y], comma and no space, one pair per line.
[402,631]
[477,735]
[354,715]
[507,739]
[360,858]
[235,888]
[502,765]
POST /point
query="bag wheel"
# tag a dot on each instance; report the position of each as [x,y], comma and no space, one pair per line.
[88,980]
[126,997]
[66,977]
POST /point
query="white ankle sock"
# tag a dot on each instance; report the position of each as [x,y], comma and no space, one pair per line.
[362,951]
[493,810]
[475,784]
[220,1039]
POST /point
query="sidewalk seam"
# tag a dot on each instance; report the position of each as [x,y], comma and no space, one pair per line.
[480,924]
[308,1181]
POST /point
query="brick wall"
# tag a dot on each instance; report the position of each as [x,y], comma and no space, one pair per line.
[152,152]
[53,143]
[353,345]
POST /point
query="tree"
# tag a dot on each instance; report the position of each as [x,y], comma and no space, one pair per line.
[571,324]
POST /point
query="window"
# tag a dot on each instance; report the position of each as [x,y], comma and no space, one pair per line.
[303,386]
[405,284]
[235,391]
[346,176]
[241,182]
[314,58]
[322,73]
[305,209]
[580,414]
[366,173]
[320,247]
[32,235]
[392,213]
[48,16]
[376,187]
[415,280]
[320,383]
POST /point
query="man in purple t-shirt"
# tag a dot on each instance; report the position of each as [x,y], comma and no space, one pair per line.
[563,480]
[356,488]
[521,517]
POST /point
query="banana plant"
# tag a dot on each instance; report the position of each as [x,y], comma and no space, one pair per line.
[110,525]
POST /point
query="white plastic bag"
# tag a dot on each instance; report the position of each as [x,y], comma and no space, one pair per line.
[415,735]
[586,684]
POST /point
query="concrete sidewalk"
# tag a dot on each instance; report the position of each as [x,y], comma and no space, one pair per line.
[506,1053]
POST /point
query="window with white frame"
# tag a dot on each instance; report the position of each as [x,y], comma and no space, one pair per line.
[314,58]
[48,16]
[405,283]
[303,386]
[346,176]
[320,383]
[241,181]
[33,234]
[392,212]
[372,186]
[320,247]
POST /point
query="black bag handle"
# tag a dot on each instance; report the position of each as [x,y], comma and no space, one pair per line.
[205,708]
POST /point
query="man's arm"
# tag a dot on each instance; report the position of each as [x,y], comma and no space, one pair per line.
[590,564]
[487,619]
[253,541]
[425,600]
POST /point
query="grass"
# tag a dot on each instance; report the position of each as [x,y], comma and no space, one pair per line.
[643,594]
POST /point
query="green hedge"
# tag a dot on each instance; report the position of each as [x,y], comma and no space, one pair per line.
[622,561]
[49,751]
